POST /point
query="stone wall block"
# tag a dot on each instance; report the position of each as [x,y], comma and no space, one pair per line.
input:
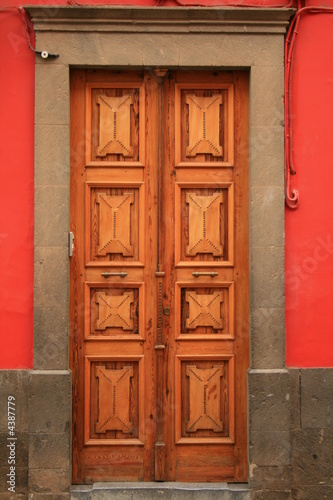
[269,393]
[312,457]
[273,495]
[49,451]
[51,216]
[52,100]
[267,338]
[51,496]
[268,51]
[21,482]
[266,216]
[50,402]
[266,103]
[15,496]
[267,271]
[50,349]
[318,492]
[295,403]
[269,448]
[117,50]
[270,478]
[51,277]
[52,155]
[217,49]
[14,383]
[21,449]
[49,480]
[317,398]
[267,154]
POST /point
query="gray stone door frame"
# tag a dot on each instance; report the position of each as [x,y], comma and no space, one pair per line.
[184,38]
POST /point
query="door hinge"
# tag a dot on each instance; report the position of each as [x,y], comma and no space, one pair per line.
[70,243]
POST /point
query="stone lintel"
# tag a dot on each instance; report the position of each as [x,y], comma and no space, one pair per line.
[161,20]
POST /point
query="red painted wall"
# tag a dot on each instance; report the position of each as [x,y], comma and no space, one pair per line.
[16,193]
[309,229]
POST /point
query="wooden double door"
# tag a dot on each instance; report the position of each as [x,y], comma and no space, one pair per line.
[159,275]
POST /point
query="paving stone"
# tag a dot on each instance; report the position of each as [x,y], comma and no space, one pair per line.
[165,491]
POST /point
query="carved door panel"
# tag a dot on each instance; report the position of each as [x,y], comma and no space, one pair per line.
[159,275]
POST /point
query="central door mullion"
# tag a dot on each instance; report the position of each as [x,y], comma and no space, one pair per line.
[160,341]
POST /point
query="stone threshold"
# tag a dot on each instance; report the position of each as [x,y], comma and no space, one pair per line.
[165,491]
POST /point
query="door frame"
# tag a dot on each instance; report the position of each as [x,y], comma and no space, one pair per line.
[182,38]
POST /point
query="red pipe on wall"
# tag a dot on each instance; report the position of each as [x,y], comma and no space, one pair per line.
[292,195]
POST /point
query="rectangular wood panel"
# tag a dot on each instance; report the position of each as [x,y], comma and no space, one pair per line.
[115,223]
[204,123]
[115,117]
[114,400]
[205,310]
[204,224]
[116,310]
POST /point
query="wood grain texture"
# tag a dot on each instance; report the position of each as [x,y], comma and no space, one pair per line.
[204,125]
[204,398]
[114,125]
[204,218]
[194,178]
[114,311]
[204,310]
[159,357]
[223,311]
[204,222]
[115,120]
[115,222]
[114,411]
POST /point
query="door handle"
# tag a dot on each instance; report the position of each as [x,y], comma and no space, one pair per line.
[159,347]
[107,275]
[196,274]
